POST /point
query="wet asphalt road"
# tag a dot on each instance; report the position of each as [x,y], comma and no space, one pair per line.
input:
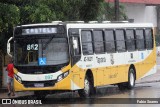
[109,96]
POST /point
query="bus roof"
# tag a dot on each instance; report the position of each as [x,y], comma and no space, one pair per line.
[110,25]
[92,25]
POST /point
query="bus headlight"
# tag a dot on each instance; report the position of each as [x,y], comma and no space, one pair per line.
[18,78]
[62,76]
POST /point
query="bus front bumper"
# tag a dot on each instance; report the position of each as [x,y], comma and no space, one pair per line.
[64,84]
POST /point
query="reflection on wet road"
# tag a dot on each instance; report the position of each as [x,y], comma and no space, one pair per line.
[109,96]
[145,90]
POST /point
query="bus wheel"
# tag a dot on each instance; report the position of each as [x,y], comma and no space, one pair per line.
[88,88]
[131,79]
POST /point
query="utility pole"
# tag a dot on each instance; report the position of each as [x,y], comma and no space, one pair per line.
[116,5]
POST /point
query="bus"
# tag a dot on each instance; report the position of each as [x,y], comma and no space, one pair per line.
[78,56]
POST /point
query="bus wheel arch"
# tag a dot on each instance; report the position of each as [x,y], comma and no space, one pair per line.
[129,84]
[89,88]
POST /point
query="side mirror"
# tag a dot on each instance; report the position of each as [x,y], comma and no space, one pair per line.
[9,46]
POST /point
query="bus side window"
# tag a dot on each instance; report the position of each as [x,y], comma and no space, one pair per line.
[120,41]
[98,42]
[140,39]
[130,40]
[87,45]
[109,41]
[149,38]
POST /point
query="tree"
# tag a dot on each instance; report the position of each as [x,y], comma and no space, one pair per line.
[107,12]
[9,17]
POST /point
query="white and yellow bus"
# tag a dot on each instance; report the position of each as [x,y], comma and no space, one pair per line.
[81,56]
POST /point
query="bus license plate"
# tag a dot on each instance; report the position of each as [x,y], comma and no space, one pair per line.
[39,85]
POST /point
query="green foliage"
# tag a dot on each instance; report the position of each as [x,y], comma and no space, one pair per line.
[9,17]
[107,12]
[36,14]
[90,9]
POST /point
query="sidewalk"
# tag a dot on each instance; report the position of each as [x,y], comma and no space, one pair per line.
[17,94]
[153,78]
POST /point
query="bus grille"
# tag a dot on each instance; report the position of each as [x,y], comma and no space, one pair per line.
[40,84]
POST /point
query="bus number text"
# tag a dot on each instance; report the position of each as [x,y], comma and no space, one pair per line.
[88,59]
[48,77]
[32,47]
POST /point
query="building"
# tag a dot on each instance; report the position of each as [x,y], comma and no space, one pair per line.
[142,11]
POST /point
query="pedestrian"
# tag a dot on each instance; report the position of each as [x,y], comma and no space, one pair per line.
[10,76]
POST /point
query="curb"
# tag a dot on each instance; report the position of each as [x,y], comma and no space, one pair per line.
[147,81]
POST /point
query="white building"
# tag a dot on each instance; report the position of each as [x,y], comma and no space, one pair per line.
[142,11]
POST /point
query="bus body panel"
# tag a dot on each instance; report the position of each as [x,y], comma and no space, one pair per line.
[107,68]
[102,76]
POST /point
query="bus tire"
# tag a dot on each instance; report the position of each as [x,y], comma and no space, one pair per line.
[88,88]
[131,79]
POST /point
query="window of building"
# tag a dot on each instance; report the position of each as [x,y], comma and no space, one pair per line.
[149,38]
[130,41]
[109,41]
[98,41]
[120,41]
[140,39]
[87,45]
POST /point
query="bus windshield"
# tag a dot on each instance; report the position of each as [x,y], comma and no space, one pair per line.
[41,51]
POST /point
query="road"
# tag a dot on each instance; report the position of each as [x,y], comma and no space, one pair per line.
[145,90]
[109,96]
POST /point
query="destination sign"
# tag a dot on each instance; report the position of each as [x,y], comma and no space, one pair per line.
[48,30]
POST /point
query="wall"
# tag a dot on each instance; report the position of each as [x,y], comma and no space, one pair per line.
[4,78]
[4,74]
[141,13]
[1,70]
[158,18]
